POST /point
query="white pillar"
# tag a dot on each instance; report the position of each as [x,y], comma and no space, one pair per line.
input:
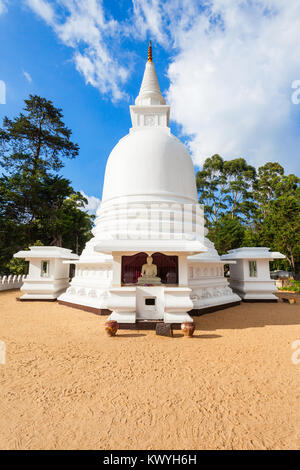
[182,270]
[117,265]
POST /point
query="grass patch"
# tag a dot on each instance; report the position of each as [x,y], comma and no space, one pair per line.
[292,285]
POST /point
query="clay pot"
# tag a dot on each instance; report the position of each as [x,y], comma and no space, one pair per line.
[111,327]
[188,328]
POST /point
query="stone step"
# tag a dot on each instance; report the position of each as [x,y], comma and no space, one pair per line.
[146,325]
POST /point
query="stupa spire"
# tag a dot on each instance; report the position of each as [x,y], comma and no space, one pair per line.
[150,52]
[150,93]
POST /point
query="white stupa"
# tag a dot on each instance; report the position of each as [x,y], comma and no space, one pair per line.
[149,258]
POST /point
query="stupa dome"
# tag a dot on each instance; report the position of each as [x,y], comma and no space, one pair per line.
[150,162]
[149,190]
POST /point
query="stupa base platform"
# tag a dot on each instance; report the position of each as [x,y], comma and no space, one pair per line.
[260,300]
[86,308]
[193,313]
[256,296]
[37,299]
[197,312]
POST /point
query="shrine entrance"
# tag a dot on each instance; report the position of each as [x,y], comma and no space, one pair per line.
[167,267]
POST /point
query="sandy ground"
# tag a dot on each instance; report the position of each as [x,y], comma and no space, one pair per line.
[66,385]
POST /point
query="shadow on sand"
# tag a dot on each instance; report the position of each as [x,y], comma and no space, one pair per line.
[176,335]
[129,335]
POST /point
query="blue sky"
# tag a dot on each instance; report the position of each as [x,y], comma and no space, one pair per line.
[226,68]
[97,123]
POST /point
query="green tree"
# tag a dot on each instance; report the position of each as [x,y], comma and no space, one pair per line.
[35,142]
[68,224]
[238,191]
[277,216]
[269,176]
[227,233]
[280,229]
[211,183]
[225,187]
[34,199]
[248,208]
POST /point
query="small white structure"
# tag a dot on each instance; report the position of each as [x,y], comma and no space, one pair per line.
[48,275]
[250,276]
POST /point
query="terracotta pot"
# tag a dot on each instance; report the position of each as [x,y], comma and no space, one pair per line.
[188,328]
[111,327]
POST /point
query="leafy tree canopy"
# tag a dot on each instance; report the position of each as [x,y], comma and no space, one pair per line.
[245,207]
[36,203]
[36,141]
[225,187]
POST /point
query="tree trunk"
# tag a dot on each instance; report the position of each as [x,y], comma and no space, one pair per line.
[76,244]
[57,240]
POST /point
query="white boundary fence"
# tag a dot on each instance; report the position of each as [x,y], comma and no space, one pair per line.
[11,282]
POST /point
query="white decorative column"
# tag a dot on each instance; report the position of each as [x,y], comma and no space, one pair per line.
[177,299]
[117,268]
[177,304]
[122,302]
[182,270]
[121,299]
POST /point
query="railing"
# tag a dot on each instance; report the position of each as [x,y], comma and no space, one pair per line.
[12,281]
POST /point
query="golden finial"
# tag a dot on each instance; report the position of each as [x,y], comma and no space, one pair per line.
[150,52]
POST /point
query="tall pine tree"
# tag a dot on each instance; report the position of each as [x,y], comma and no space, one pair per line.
[35,202]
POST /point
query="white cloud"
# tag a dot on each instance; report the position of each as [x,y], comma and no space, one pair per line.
[84,27]
[163,21]
[3,7]
[42,9]
[233,64]
[149,16]
[27,76]
[92,205]
[230,84]
[231,75]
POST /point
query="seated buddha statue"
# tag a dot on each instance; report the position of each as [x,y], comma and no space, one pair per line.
[149,273]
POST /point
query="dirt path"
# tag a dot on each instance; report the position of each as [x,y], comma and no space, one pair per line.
[65,385]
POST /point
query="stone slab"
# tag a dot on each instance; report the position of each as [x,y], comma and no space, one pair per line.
[164,329]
